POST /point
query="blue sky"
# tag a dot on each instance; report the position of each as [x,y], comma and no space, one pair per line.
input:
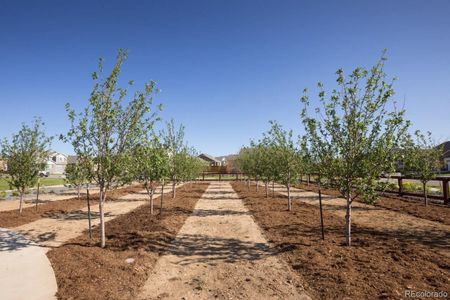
[224,67]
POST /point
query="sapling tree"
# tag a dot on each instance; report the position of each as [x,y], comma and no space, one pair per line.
[359,130]
[245,162]
[26,154]
[287,157]
[173,141]
[150,165]
[77,174]
[107,130]
[423,159]
[257,157]
[191,166]
[266,167]
[316,160]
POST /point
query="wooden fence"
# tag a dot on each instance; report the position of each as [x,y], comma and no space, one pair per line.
[213,176]
[445,195]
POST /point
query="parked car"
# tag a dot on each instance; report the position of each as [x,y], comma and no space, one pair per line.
[44,173]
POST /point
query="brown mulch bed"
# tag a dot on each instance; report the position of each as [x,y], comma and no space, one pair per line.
[377,266]
[86,271]
[12,218]
[432,212]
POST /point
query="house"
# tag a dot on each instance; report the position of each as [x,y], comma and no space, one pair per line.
[446,155]
[56,163]
[72,159]
[211,160]
[230,161]
[3,166]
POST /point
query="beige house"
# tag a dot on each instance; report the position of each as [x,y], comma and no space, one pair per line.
[56,163]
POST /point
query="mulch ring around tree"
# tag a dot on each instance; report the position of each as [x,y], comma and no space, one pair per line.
[12,218]
[417,208]
[377,266]
[134,242]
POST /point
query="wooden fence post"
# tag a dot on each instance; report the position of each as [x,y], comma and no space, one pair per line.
[445,191]
[400,186]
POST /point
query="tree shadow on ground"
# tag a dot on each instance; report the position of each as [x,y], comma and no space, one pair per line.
[12,241]
[219,212]
[223,197]
[74,215]
[191,249]
[434,239]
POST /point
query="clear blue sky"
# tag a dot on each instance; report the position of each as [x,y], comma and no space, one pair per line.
[224,67]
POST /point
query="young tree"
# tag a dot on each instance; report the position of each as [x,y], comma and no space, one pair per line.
[248,161]
[244,161]
[26,155]
[191,166]
[423,159]
[107,130]
[173,140]
[77,174]
[151,165]
[359,132]
[265,167]
[287,157]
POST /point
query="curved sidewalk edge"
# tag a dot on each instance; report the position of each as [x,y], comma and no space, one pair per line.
[25,271]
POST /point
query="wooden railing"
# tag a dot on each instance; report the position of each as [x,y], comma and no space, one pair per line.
[445,196]
[221,175]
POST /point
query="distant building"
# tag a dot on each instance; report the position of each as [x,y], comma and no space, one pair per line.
[3,166]
[211,160]
[56,163]
[446,155]
[72,159]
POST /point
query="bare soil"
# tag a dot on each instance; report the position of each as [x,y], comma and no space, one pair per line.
[220,253]
[86,271]
[379,265]
[12,218]
[414,207]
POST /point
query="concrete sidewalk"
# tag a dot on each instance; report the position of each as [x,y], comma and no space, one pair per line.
[25,271]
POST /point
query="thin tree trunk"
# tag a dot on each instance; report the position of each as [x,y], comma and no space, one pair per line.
[425,194]
[78,191]
[162,198]
[89,211]
[21,202]
[348,222]
[151,201]
[37,196]
[321,211]
[102,217]
[273,189]
[257,185]
[267,189]
[174,183]
[248,184]
[289,197]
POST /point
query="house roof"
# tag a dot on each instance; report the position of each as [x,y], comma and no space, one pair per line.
[446,149]
[53,153]
[209,158]
[72,159]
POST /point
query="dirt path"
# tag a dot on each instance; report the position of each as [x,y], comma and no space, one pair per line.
[397,225]
[59,228]
[6,205]
[220,253]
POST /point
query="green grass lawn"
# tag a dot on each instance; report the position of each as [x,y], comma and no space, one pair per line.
[44,182]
